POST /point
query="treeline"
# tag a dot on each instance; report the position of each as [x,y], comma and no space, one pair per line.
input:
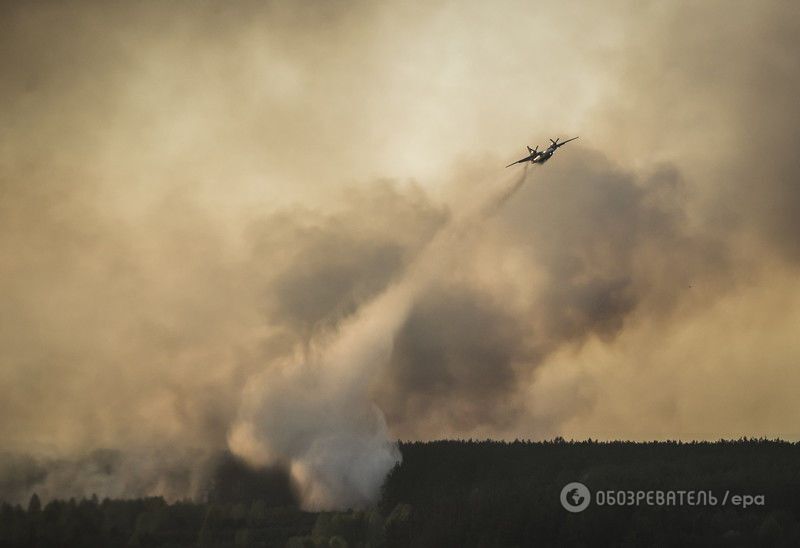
[150,522]
[464,493]
[507,494]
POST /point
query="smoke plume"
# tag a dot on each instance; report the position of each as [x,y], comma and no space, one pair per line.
[283,234]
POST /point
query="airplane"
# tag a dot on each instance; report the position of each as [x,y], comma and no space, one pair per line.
[537,157]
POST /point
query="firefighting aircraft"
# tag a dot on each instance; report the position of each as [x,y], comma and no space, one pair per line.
[535,156]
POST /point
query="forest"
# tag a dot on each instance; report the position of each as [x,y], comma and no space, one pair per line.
[465,493]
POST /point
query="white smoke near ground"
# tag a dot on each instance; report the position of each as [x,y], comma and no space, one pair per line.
[173,474]
[317,416]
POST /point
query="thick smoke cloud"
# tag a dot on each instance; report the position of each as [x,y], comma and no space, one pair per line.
[564,261]
[200,253]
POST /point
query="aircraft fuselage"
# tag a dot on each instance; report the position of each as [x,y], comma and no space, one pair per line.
[537,157]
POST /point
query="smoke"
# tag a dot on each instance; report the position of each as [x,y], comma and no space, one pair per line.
[173,474]
[105,472]
[200,251]
[318,416]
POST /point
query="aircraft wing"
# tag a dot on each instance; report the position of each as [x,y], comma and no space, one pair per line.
[526,159]
[562,143]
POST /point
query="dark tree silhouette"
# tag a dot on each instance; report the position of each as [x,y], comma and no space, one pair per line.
[460,493]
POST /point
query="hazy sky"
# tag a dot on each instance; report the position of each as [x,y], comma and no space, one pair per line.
[284,229]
